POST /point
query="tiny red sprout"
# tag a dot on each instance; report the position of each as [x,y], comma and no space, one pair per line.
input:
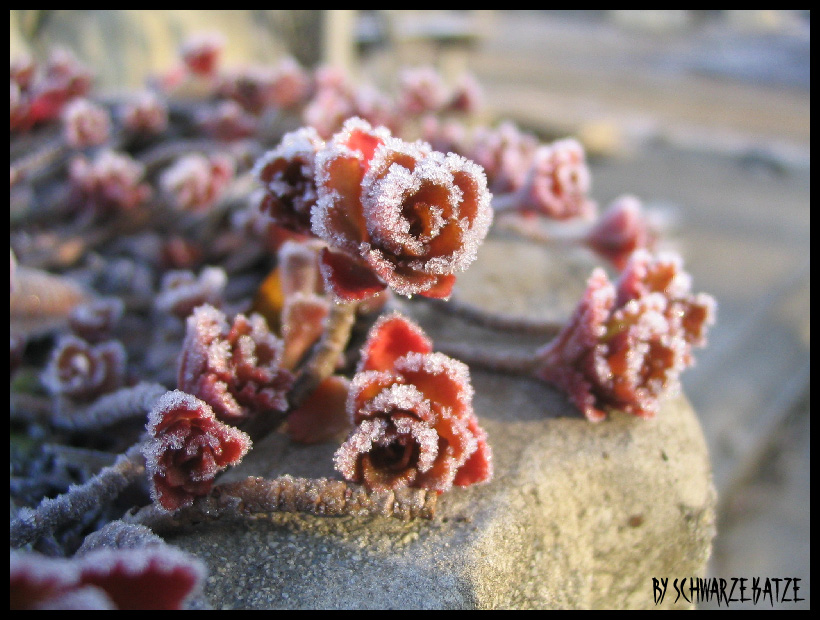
[146,113]
[237,369]
[421,90]
[626,345]
[412,413]
[187,449]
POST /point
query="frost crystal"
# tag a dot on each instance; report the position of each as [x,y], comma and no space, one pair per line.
[187,449]
[236,369]
[398,212]
[412,413]
[287,176]
[626,344]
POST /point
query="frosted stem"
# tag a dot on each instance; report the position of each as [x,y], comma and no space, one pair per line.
[124,404]
[323,360]
[257,497]
[51,514]
[498,321]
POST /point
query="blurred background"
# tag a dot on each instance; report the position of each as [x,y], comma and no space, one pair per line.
[703,115]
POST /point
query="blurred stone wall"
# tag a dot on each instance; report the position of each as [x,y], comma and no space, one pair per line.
[125,47]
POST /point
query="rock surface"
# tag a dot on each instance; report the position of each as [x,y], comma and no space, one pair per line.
[578,515]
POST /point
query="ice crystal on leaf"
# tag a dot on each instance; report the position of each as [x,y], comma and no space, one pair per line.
[81,371]
[158,577]
[627,343]
[412,413]
[236,369]
[396,214]
[287,177]
[187,449]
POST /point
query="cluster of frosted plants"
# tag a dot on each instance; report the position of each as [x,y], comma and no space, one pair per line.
[218,258]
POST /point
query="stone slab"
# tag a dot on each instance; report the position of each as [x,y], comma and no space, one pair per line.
[578,516]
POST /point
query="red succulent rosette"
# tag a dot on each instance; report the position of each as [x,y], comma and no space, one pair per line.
[626,344]
[396,214]
[412,413]
[236,369]
[287,177]
[621,230]
[557,184]
[187,449]
[82,371]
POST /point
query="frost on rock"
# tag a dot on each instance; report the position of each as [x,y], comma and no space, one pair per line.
[236,369]
[396,213]
[82,371]
[627,343]
[187,449]
[411,408]
[157,577]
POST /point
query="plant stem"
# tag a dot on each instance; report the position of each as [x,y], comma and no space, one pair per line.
[519,364]
[51,514]
[498,321]
[256,496]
